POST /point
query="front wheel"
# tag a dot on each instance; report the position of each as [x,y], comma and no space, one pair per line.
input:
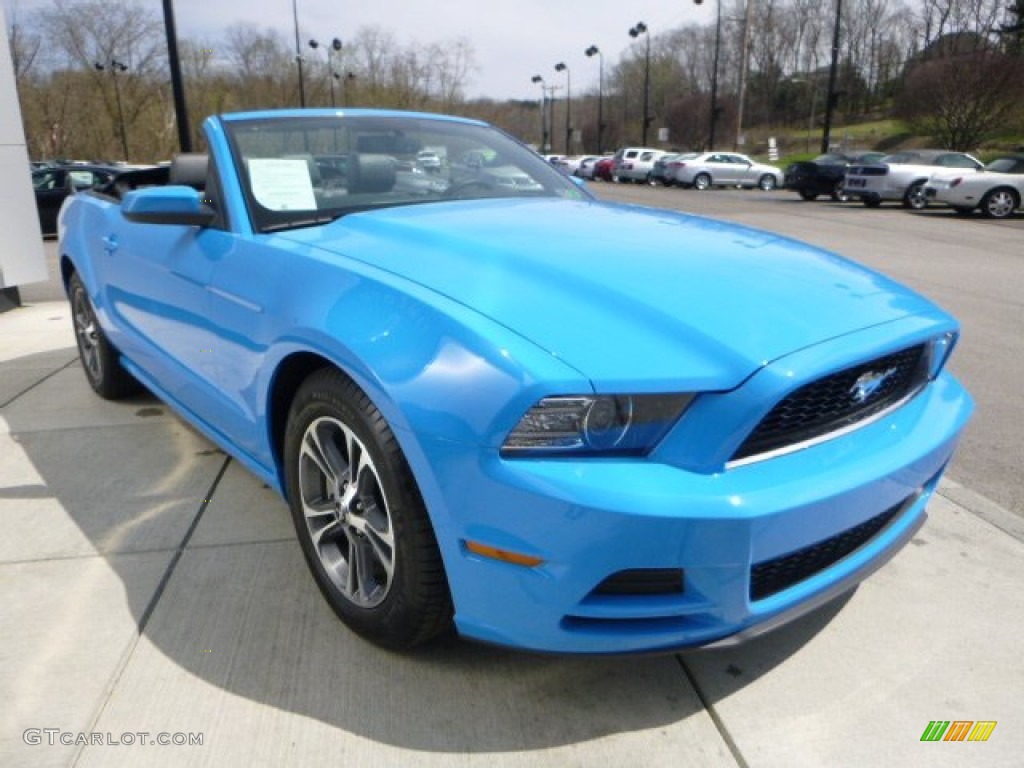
[359,517]
[998,204]
[766,183]
[100,359]
[914,197]
[702,182]
[808,195]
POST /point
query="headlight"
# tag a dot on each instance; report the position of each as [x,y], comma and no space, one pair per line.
[939,350]
[623,425]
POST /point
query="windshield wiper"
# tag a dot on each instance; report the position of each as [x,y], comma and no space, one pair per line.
[301,223]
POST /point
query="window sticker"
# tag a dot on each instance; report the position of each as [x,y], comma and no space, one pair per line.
[282,184]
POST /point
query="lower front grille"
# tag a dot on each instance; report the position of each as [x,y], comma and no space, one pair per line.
[773,576]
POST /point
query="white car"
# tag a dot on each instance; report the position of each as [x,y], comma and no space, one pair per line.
[902,176]
[997,192]
[635,163]
[726,169]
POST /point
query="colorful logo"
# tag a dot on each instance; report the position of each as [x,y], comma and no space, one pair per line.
[958,730]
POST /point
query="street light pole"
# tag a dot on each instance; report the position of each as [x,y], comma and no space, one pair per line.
[177,84]
[561,67]
[641,29]
[298,54]
[830,98]
[713,118]
[116,66]
[543,113]
[595,51]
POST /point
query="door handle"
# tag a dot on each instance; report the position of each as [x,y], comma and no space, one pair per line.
[110,243]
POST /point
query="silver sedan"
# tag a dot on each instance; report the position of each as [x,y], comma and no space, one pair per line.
[727,169]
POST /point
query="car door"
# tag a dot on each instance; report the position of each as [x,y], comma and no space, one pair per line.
[723,171]
[157,279]
[744,170]
[52,186]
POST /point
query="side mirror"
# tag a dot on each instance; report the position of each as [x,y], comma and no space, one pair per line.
[167,205]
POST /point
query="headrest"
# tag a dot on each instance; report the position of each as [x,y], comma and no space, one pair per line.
[189,169]
[370,173]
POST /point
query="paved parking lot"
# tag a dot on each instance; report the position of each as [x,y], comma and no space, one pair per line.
[150,585]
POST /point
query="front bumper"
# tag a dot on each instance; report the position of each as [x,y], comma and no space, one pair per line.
[590,519]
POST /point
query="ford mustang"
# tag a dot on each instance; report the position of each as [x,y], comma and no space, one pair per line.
[497,404]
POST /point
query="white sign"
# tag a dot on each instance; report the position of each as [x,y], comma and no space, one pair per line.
[282,184]
[663,134]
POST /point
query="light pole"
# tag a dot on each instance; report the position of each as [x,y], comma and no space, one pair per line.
[714,74]
[116,66]
[595,51]
[334,47]
[831,97]
[544,146]
[298,54]
[635,31]
[561,67]
[177,84]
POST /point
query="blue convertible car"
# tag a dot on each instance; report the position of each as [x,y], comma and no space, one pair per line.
[495,402]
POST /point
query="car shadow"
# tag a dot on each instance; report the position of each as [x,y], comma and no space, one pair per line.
[238,611]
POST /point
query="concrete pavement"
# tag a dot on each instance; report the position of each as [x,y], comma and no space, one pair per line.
[151,585]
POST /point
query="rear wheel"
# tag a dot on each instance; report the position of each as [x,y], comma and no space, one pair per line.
[100,359]
[914,197]
[999,203]
[359,517]
[702,181]
[808,195]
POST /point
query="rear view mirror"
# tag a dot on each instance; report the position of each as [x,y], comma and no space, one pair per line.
[167,205]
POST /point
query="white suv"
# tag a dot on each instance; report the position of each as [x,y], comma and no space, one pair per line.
[635,163]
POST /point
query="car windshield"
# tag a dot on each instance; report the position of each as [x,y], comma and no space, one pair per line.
[308,170]
[1006,165]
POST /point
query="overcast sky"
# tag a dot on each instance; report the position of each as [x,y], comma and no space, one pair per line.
[512,39]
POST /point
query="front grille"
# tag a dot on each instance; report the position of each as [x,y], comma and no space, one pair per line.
[837,401]
[773,576]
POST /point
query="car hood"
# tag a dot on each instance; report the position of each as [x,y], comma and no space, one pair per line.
[625,295]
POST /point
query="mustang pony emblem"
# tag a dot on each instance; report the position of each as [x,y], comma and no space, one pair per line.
[869,383]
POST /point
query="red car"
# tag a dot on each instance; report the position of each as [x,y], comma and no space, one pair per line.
[603,168]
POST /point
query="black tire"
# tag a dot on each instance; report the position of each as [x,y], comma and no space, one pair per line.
[839,193]
[766,183]
[914,198]
[871,202]
[999,203]
[100,359]
[367,540]
[701,181]
[808,195]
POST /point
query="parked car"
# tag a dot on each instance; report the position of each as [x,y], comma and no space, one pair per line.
[635,164]
[483,410]
[997,192]
[605,168]
[55,183]
[824,175]
[726,169]
[902,176]
[666,166]
[588,166]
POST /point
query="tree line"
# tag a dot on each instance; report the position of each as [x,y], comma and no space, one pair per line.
[92,75]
